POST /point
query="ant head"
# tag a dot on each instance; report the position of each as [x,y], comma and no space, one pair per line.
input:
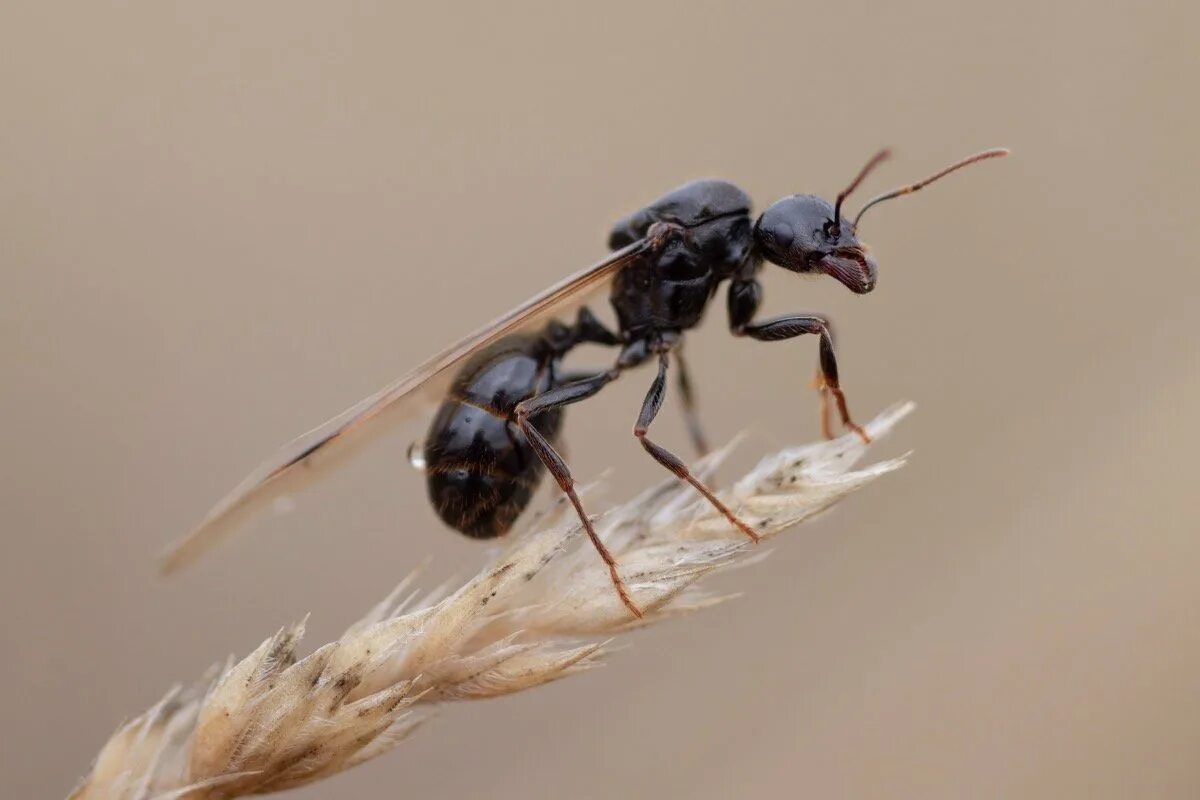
[804,233]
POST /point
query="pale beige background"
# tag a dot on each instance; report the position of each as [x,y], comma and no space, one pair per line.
[222,222]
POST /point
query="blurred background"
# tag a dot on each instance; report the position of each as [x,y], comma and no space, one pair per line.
[223,223]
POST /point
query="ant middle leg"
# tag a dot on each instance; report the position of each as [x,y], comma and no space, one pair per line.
[557,397]
[650,409]
[690,416]
[789,327]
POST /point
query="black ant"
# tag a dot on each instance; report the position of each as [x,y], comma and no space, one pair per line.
[504,389]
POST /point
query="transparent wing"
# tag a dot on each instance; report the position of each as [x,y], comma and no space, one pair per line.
[318,452]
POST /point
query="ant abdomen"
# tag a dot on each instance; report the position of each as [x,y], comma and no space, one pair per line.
[481,471]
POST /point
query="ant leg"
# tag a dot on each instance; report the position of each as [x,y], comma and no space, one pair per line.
[555,398]
[818,384]
[789,327]
[745,294]
[822,389]
[650,409]
[589,329]
[690,417]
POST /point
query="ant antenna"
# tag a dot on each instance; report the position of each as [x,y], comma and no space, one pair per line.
[912,187]
[862,173]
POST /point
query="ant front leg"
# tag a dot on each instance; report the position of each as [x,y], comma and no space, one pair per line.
[744,298]
[558,397]
[650,409]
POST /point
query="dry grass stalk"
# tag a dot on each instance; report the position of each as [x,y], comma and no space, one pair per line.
[536,614]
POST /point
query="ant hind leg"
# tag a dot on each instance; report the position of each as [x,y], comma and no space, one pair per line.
[557,397]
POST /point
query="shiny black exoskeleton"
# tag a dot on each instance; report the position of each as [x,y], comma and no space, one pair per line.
[480,468]
[487,447]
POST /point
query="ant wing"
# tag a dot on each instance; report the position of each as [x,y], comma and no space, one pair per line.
[318,452]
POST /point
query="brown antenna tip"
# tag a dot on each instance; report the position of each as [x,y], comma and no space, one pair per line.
[912,187]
